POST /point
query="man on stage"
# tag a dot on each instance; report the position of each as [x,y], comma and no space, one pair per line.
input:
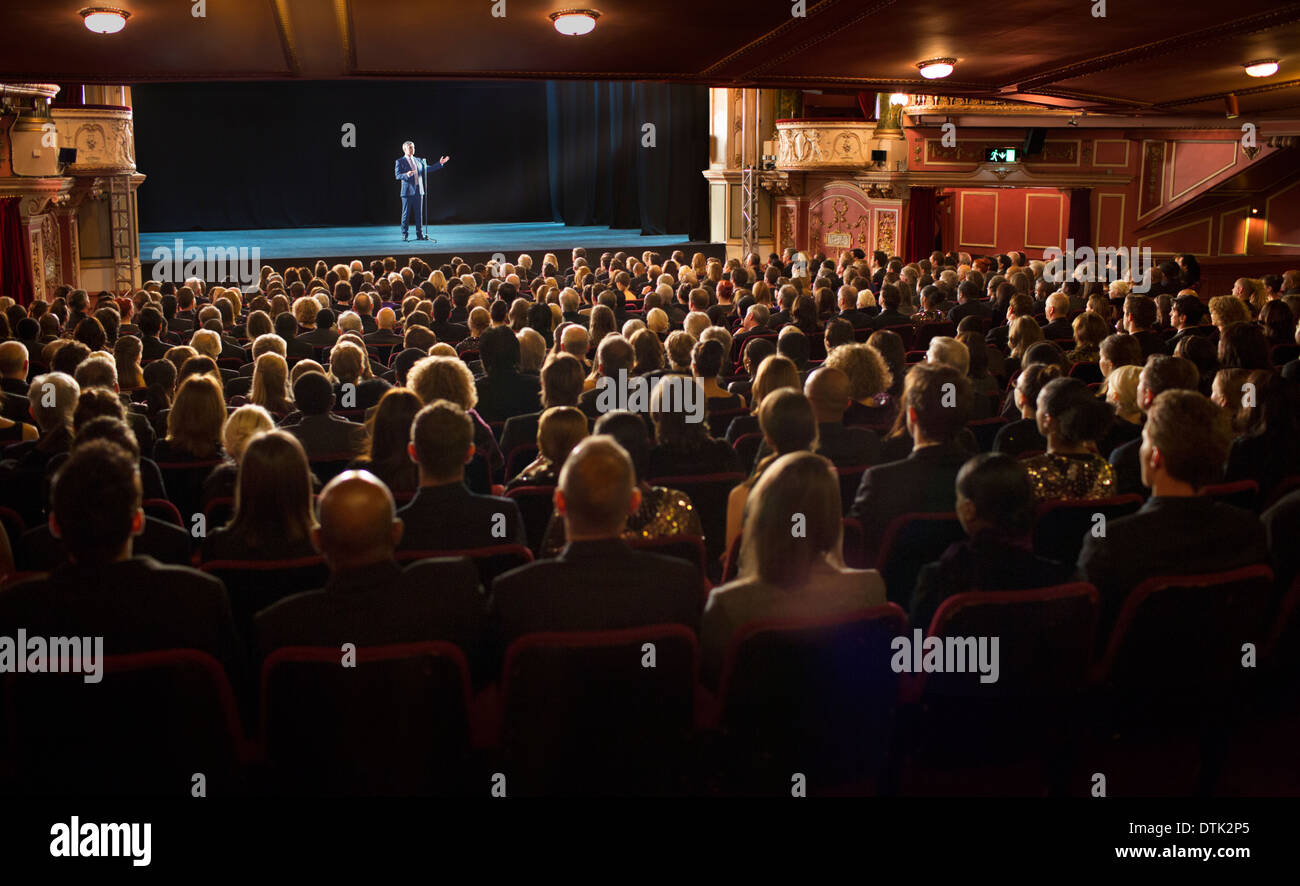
[409,170]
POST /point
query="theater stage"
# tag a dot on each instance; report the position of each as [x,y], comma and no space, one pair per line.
[473,242]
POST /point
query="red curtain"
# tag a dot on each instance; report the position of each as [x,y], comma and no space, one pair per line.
[921,215]
[15,271]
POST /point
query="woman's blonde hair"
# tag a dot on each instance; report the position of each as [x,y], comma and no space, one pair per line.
[559,430]
[866,368]
[443,378]
[1122,385]
[774,373]
[1024,332]
[271,383]
[243,425]
[797,483]
[197,417]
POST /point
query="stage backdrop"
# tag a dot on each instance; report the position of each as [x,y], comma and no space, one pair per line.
[273,155]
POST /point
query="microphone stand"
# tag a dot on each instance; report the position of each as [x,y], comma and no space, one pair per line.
[424,198]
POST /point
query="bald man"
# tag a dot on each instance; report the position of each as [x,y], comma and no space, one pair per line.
[13,381]
[576,341]
[830,392]
[598,582]
[370,599]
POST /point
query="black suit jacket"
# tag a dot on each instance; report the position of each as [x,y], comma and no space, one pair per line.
[1152,343]
[319,338]
[857,318]
[452,518]
[382,604]
[328,434]
[136,605]
[1058,328]
[848,447]
[297,349]
[1168,536]
[595,586]
[969,309]
[890,318]
[449,332]
[382,337]
[506,394]
[39,551]
[924,482]
[153,348]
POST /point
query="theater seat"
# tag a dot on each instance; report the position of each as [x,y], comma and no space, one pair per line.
[396,723]
[1241,494]
[254,585]
[708,493]
[684,547]
[1060,526]
[153,722]
[810,696]
[491,561]
[1009,736]
[1167,677]
[535,506]
[910,541]
[582,712]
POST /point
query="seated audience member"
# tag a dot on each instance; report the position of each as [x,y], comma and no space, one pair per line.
[1185,316]
[445,515]
[560,429]
[1022,435]
[447,378]
[870,380]
[706,366]
[932,310]
[270,385]
[1119,349]
[615,360]
[789,425]
[663,513]
[1268,449]
[1203,352]
[1140,322]
[561,377]
[389,436]
[1282,524]
[272,517]
[783,576]
[934,415]
[1180,530]
[322,433]
[995,504]
[773,374]
[983,383]
[1161,373]
[1072,420]
[1121,387]
[241,426]
[830,392]
[754,353]
[40,550]
[683,445]
[1057,314]
[134,602]
[1023,333]
[1089,330]
[194,423]
[503,391]
[1244,346]
[369,599]
[891,298]
[598,582]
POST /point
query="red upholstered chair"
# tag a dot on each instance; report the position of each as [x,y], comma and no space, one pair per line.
[491,561]
[535,506]
[1060,526]
[910,541]
[395,723]
[152,722]
[582,713]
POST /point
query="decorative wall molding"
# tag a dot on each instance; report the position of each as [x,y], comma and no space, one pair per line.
[823,144]
[104,139]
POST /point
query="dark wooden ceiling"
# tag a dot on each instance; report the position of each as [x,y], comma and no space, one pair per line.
[1146,58]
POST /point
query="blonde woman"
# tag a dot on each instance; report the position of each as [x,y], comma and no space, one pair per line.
[126,354]
[242,426]
[1025,332]
[1121,392]
[270,389]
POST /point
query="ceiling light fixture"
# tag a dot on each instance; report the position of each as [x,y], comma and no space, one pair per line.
[104,19]
[575,22]
[937,67]
[1265,67]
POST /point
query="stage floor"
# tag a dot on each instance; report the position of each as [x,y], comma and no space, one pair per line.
[474,242]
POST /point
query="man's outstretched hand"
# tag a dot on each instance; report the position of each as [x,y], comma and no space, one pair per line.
[443,160]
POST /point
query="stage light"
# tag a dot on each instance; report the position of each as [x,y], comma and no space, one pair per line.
[105,19]
[898,98]
[1265,67]
[937,67]
[575,22]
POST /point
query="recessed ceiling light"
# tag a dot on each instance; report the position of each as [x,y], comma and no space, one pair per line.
[898,98]
[1265,67]
[105,19]
[575,22]
[937,67]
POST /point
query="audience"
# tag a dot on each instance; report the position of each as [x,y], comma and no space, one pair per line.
[1072,421]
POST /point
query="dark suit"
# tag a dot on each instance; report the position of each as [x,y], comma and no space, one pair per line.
[969,309]
[328,434]
[452,518]
[859,319]
[153,348]
[1058,328]
[924,482]
[983,562]
[319,338]
[847,447]
[412,190]
[595,586]
[503,395]
[1152,343]
[136,605]
[382,604]
[295,349]
[448,332]
[891,318]
[1168,536]
[382,337]
[39,551]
